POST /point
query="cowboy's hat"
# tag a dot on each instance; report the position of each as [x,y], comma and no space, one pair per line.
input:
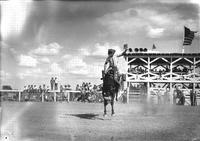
[111,51]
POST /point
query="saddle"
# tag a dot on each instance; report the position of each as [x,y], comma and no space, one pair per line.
[110,84]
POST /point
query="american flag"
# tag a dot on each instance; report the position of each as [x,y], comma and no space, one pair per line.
[153,47]
[188,36]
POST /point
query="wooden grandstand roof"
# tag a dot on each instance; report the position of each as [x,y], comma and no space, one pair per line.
[178,55]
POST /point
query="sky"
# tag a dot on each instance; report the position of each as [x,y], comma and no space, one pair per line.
[70,39]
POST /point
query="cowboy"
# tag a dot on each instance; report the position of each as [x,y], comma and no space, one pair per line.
[111,65]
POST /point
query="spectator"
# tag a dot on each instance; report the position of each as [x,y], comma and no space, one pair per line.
[167,96]
[44,88]
[34,89]
[159,95]
[77,87]
[52,83]
[181,96]
[174,96]
[90,86]
[31,89]
[47,90]
[40,89]
[56,83]
[68,87]
[61,88]
[193,98]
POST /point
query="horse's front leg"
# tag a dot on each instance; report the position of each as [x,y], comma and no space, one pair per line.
[116,96]
[105,104]
[112,107]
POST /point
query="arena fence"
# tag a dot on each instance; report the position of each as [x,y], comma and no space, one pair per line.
[157,96]
[20,95]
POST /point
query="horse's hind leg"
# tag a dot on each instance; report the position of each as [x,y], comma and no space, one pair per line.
[112,106]
[105,104]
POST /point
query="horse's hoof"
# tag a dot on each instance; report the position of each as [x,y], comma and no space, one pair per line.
[105,115]
[113,113]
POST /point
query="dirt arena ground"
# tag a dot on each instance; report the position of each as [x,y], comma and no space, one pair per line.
[61,121]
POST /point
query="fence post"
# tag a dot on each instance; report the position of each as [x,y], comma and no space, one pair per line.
[148,92]
[42,97]
[128,89]
[54,96]
[68,96]
[19,96]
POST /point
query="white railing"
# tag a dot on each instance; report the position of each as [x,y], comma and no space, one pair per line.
[52,91]
[65,91]
[19,92]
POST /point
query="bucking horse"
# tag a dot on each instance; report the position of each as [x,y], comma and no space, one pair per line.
[110,90]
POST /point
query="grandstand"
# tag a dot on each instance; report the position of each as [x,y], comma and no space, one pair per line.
[158,72]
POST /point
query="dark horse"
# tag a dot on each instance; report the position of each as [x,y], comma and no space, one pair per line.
[110,89]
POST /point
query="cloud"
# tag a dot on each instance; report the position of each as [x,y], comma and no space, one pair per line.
[127,22]
[130,20]
[45,60]
[4,75]
[95,70]
[33,72]
[14,15]
[89,71]
[66,56]
[102,49]
[50,49]
[82,68]
[75,62]
[124,22]
[83,63]
[195,2]
[151,20]
[55,69]
[84,51]
[27,61]
[155,32]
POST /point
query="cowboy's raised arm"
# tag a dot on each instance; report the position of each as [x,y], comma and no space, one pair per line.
[106,66]
[122,53]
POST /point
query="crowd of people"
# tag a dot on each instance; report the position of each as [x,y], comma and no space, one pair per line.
[85,92]
[179,96]
[89,92]
[54,83]
[138,70]
[44,88]
[141,70]
[181,70]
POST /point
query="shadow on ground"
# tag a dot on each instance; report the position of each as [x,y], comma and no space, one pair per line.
[90,116]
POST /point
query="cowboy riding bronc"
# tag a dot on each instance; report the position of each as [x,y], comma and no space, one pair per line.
[111,79]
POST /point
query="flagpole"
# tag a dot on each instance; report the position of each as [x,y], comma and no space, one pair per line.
[183,47]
